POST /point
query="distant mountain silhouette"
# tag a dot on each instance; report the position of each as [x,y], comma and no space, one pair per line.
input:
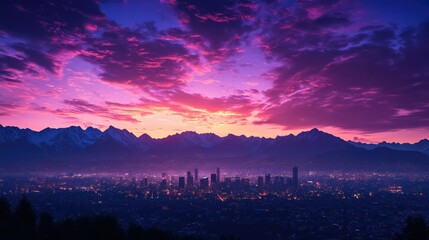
[421,146]
[314,149]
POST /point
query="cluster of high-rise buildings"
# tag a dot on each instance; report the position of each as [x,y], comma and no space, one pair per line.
[267,182]
[191,180]
[279,180]
[213,181]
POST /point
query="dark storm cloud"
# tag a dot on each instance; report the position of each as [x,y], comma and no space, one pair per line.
[34,55]
[8,65]
[374,79]
[37,20]
[327,20]
[36,31]
[218,27]
[129,57]
[23,59]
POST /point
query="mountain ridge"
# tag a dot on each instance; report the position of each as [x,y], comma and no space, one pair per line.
[420,146]
[308,148]
[313,130]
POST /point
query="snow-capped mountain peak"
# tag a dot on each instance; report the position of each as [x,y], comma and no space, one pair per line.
[122,136]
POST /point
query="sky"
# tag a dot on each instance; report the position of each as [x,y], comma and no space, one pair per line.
[356,69]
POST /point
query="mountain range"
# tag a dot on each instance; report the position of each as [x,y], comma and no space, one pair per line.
[74,147]
[421,146]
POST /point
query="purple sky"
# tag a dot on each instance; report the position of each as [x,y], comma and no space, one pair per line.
[357,69]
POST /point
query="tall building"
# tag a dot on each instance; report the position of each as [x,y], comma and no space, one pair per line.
[213,179]
[260,181]
[144,182]
[189,180]
[204,183]
[245,182]
[181,182]
[268,179]
[196,174]
[295,176]
[163,184]
[276,180]
[218,175]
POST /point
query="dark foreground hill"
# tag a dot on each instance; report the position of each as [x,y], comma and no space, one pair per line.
[25,223]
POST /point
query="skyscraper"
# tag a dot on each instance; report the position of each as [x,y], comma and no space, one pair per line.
[213,179]
[260,181]
[204,183]
[189,180]
[181,182]
[277,183]
[144,182]
[267,179]
[163,184]
[196,174]
[295,176]
[218,175]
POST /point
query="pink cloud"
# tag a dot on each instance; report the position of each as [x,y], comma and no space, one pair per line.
[77,107]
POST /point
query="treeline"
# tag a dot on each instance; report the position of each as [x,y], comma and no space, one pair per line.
[416,229]
[24,223]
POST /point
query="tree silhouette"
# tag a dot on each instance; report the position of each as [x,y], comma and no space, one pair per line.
[223,237]
[4,208]
[416,229]
[21,225]
[97,227]
[136,232]
[7,221]
[46,226]
[25,213]
[26,219]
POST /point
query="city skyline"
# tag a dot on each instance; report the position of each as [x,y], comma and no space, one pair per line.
[214,119]
[356,69]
